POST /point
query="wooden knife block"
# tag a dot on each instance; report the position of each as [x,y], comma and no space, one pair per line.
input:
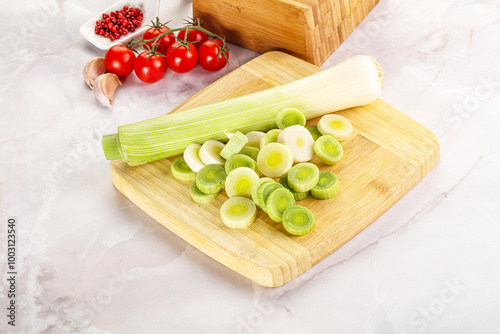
[308,29]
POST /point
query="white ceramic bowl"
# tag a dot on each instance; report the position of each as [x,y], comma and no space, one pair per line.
[149,8]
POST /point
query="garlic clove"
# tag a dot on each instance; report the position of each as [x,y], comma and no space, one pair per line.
[94,68]
[105,86]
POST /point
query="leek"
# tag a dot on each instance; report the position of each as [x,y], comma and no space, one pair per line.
[278,202]
[355,81]
[238,212]
[181,171]
[300,142]
[274,160]
[200,197]
[270,137]
[313,129]
[328,149]
[210,179]
[210,151]
[327,186]
[250,151]
[336,126]
[240,160]
[239,182]
[298,220]
[254,138]
[303,177]
[256,186]
[289,116]
[236,142]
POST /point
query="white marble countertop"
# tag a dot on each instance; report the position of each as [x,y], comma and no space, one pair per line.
[89,261]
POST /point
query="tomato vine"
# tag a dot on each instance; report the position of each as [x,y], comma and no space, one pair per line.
[192,24]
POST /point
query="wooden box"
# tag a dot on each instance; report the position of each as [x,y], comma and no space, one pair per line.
[308,29]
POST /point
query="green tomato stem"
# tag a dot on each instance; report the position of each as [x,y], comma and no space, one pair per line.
[196,26]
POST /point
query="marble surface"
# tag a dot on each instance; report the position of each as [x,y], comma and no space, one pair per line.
[89,261]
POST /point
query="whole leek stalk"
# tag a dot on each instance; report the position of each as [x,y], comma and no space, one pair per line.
[354,82]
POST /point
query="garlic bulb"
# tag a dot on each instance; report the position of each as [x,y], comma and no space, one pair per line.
[105,86]
[94,68]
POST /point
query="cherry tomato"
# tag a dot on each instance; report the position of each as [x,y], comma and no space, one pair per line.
[150,68]
[182,58]
[193,36]
[165,41]
[210,57]
[119,60]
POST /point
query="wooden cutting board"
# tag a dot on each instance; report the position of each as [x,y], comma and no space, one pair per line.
[384,158]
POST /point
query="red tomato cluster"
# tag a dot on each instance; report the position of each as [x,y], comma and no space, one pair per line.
[180,54]
[121,22]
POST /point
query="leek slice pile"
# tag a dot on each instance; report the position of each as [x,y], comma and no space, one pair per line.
[238,164]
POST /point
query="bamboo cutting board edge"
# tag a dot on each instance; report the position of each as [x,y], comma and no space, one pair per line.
[264,252]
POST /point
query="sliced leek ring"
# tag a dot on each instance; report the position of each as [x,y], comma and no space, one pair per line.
[181,171]
[327,186]
[210,152]
[200,197]
[254,138]
[313,130]
[298,220]
[289,116]
[278,201]
[239,182]
[274,160]
[251,151]
[271,136]
[335,125]
[211,178]
[234,145]
[264,192]
[303,177]
[240,160]
[192,158]
[300,142]
[256,186]
[328,149]
[238,212]
[299,196]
